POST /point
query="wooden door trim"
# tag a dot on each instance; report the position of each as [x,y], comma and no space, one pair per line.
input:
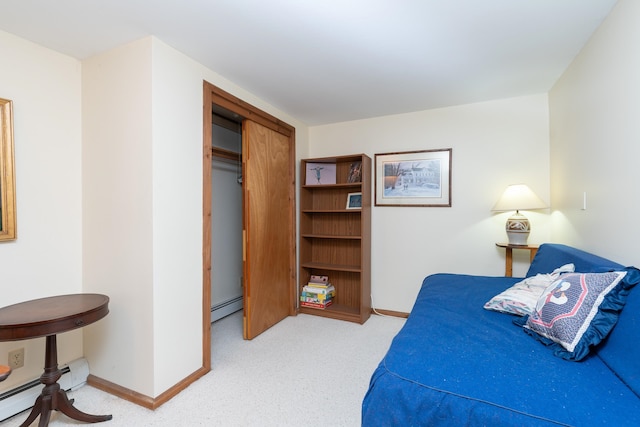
[236,105]
[207,132]
[214,95]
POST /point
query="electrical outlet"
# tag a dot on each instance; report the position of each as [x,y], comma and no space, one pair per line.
[16,358]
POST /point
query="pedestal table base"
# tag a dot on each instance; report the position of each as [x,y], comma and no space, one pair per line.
[53,398]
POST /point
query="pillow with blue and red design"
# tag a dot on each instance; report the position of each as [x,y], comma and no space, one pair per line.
[577,311]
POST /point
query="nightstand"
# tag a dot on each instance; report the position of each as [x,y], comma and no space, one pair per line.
[508,268]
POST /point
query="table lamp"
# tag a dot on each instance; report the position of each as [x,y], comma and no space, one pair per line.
[518,197]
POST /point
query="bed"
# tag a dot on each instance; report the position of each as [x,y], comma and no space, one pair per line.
[455,363]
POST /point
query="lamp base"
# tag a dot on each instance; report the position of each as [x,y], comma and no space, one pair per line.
[518,229]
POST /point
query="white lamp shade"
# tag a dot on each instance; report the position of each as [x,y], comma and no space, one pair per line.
[515,198]
[519,197]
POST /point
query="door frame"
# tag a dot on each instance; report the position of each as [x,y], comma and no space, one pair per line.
[214,95]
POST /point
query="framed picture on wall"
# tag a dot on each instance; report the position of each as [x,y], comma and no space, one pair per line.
[413,178]
[7,173]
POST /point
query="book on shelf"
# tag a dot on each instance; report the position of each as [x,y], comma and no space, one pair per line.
[318,292]
[316,297]
[319,285]
[316,305]
[320,280]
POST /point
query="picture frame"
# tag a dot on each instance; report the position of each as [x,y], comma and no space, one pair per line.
[7,173]
[355,172]
[354,201]
[413,178]
[320,173]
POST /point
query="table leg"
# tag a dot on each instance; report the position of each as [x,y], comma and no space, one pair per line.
[52,396]
[508,266]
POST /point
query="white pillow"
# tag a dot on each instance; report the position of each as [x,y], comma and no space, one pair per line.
[521,298]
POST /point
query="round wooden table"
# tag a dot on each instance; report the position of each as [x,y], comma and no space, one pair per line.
[47,317]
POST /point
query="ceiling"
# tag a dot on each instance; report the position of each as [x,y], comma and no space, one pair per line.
[327,61]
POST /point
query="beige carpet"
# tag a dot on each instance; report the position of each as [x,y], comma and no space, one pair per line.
[305,371]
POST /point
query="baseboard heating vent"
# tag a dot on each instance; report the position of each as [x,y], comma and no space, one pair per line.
[225,308]
[22,397]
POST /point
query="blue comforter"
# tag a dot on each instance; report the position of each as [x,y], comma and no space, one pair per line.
[455,363]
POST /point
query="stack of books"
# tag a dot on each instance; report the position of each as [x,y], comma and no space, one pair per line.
[318,293]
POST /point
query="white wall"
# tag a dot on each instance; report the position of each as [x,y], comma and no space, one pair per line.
[594,110]
[494,144]
[117,205]
[177,215]
[143,210]
[46,258]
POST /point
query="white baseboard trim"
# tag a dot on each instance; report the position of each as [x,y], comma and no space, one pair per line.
[224,309]
[22,397]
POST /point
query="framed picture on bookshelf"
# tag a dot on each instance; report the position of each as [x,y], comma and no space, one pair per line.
[320,173]
[413,178]
[354,201]
[355,172]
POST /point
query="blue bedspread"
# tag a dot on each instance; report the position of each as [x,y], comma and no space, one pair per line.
[455,363]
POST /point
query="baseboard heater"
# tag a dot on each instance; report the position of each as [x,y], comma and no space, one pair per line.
[223,309]
[22,397]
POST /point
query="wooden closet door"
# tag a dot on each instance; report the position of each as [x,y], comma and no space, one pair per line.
[267,197]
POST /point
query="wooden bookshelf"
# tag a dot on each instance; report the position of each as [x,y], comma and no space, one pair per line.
[336,241]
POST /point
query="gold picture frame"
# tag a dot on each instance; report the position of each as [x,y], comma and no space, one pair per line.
[7,173]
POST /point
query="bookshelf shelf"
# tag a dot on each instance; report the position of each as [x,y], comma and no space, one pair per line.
[331,267]
[353,185]
[336,241]
[312,211]
[335,311]
[327,236]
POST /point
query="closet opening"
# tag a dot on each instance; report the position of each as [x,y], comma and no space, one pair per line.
[226,213]
[260,172]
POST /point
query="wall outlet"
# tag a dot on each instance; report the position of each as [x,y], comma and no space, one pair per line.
[16,358]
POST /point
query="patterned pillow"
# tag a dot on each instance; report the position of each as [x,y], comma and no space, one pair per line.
[521,298]
[578,311]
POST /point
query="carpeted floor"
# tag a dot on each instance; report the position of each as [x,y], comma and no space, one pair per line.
[305,371]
